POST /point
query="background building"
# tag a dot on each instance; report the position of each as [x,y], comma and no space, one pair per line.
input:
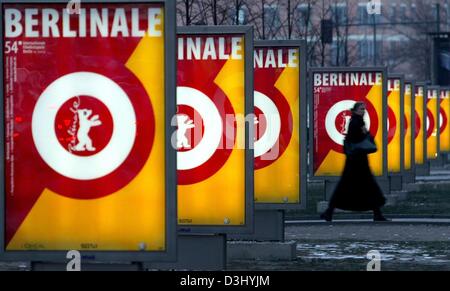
[398,38]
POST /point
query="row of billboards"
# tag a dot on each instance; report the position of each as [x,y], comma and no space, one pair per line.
[415,116]
[100,156]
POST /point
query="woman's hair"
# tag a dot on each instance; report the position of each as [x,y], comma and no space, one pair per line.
[356,106]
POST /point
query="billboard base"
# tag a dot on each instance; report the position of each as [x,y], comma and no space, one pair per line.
[437,163]
[268,226]
[384,184]
[423,170]
[445,157]
[329,188]
[409,177]
[196,252]
[395,183]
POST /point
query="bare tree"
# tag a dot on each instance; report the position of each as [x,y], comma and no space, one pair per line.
[415,48]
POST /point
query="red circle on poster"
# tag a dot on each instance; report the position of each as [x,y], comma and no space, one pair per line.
[88,112]
[418,126]
[392,125]
[210,152]
[282,119]
[136,158]
[443,120]
[342,121]
[430,125]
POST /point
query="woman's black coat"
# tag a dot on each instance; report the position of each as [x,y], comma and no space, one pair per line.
[357,189]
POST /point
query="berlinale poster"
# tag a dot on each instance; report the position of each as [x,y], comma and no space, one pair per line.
[277,122]
[394,128]
[210,134]
[408,126]
[335,93]
[444,129]
[84,114]
[432,123]
[420,133]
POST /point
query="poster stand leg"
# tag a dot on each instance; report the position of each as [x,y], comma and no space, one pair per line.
[395,182]
[329,189]
[196,252]
[409,177]
[423,170]
[268,226]
[267,242]
[438,162]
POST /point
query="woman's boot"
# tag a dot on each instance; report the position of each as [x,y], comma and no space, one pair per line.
[327,215]
[378,216]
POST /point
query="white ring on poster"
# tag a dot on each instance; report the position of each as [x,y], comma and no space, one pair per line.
[122,138]
[330,120]
[213,129]
[273,128]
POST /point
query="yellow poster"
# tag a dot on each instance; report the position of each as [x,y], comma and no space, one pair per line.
[277,128]
[394,130]
[87,169]
[211,129]
[420,125]
[408,125]
[432,124]
[444,134]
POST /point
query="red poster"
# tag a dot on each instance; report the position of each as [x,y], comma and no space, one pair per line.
[277,122]
[211,156]
[81,126]
[334,96]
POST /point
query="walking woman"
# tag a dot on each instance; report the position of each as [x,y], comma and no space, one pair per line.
[357,189]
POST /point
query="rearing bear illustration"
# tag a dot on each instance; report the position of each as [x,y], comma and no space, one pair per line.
[84,141]
[184,123]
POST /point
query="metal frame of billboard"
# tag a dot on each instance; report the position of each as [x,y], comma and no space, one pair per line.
[402,133]
[170,160]
[438,119]
[303,71]
[424,126]
[247,32]
[413,128]
[383,70]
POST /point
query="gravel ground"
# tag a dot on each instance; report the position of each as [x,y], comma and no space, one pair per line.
[324,247]
[370,232]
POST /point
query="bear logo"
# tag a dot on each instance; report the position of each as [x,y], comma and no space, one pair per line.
[85,124]
[184,123]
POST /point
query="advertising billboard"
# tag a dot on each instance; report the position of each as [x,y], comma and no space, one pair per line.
[334,92]
[214,159]
[87,100]
[420,135]
[432,122]
[395,124]
[444,114]
[408,126]
[280,120]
